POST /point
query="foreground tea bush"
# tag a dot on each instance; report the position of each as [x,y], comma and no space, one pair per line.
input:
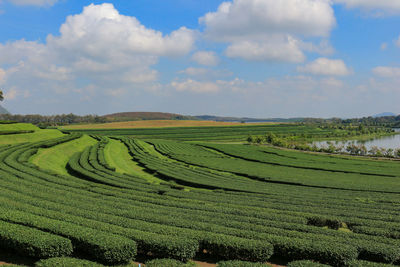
[306,263]
[31,242]
[66,262]
[168,263]
[237,263]
[358,263]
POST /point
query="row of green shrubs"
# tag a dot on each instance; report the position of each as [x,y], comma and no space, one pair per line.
[32,242]
[16,132]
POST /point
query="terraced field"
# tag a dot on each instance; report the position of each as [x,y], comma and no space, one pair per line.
[209,133]
[113,197]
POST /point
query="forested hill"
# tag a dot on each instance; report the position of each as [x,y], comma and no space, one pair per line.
[393,121]
[133,116]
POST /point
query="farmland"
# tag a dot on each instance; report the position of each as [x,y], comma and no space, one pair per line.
[110,196]
[150,124]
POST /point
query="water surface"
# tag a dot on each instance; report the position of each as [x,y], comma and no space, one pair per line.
[386,142]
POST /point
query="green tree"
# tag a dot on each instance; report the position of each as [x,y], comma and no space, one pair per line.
[1,95]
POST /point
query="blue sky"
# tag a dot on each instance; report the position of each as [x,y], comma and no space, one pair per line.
[270,58]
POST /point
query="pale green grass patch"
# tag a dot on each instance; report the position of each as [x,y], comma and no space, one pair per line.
[56,158]
[117,156]
[38,135]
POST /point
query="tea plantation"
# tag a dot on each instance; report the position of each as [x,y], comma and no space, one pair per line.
[234,204]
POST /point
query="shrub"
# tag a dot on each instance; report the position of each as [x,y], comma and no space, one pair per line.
[236,263]
[358,263]
[66,262]
[230,247]
[32,242]
[167,263]
[306,263]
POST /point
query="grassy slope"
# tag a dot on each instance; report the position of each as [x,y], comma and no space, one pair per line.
[56,158]
[117,156]
[38,135]
[18,127]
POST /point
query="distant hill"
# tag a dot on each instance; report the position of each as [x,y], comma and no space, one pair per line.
[245,119]
[3,110]
[134,116]
[384,114]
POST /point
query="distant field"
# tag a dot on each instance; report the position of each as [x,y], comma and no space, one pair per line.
[152,123]
[226,133]
[18,127]
[34,134]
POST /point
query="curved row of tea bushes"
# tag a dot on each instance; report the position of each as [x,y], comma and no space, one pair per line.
[272,155]
[280,173]
[104,247]
[190,223]
[32,242]
[236,263]
[225,242]
[306,263]
[163,248]
[66,262]
[389,257]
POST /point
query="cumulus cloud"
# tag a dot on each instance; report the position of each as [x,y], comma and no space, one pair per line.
[100,47]
[11,94]
[207,58]
[33,2]
[2,76]
[195,71]
[285,49]
[387,72]
[248,18]
[325,66]
[195,86]
[268,25]
[388,6]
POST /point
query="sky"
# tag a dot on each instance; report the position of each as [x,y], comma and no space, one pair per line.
[245,58]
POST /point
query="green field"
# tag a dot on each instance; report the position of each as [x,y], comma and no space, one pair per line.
[146,193]
[56,158]
[207,133]
[34,133]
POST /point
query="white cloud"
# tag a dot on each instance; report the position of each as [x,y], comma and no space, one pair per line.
[33,2]
[195,86]
[325,66]
[388,6]
[387,72]
[273,50]
[99,47]
[195,71]
[207,58]
[10,94]
[268,28]
[2,76]
[100,31]
[398,42]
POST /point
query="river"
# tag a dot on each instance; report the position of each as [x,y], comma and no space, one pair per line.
[392,141]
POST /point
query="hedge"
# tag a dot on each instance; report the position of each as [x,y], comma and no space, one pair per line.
[66,262]
[360,263]
[306,263]
[237,263]
[168,263]
[32,242]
